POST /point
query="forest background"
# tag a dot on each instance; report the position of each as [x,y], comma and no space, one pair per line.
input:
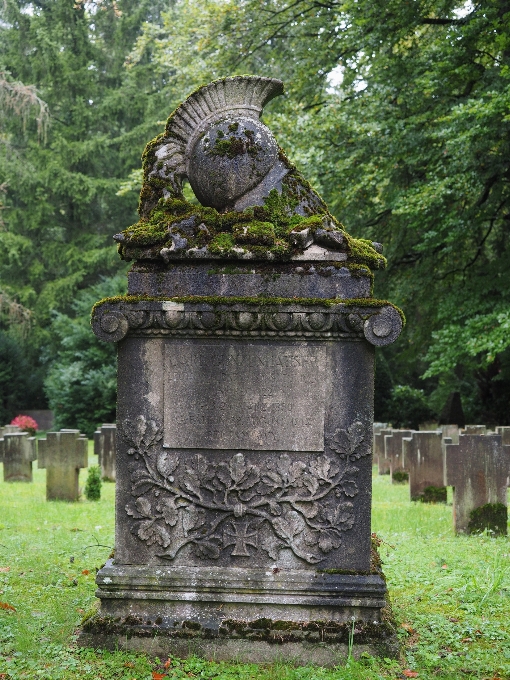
[398,112]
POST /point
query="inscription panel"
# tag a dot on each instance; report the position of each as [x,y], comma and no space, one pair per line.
[265,397]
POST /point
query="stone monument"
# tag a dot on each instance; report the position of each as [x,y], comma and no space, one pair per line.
[393,455]
[63,454]
[383,464]
[18,451]
[105,447]
[245,403]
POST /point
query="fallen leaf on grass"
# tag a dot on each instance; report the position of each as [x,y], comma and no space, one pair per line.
[129,664]
[410,674]
[8,607]
[158,676]
[5,569]
[408,628]
[468,639]
[85,572]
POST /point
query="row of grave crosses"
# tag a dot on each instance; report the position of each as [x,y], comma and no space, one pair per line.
[472,461]
[61,453]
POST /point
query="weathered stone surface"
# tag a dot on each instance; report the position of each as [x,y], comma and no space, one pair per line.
[311,279]
[105,447]
[18,451]
[245,401]
[393,451]
[423,458]
[452,432]
[383,463]
[477,467]
[475,429]
[43,417]
[505,434]
[62,454]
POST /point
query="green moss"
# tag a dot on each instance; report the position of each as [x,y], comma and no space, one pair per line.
[400,477]
[258,301]
[433,494]
[254,233]
[492,517]
[361,251]
[222,243]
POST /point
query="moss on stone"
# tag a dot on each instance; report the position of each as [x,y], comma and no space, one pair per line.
[433,494]
[260,300]
[254,233]
[492,517]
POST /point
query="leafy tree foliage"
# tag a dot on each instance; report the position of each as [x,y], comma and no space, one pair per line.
[81,383]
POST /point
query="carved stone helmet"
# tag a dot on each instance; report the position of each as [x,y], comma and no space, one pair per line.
[216,140]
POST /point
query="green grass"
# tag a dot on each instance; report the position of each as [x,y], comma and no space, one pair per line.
[451,595]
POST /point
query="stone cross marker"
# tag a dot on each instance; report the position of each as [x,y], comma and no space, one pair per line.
[245,397]
[17,451]
[393,451]
[477,467]
[105,446]
[63,454]
[423,459]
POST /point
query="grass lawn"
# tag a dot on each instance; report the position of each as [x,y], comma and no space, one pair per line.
[451,595]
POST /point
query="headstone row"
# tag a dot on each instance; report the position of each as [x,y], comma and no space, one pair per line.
[475,463]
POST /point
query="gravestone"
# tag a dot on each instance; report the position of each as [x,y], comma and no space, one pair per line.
[453,412]
[423,458]
[245,403]
[105,449]
[376,428]
[505,434]
[475,429]
[477,467]
[63,454]
[393,454]
[451,432]
[18,451]
[10,429]
[383,464]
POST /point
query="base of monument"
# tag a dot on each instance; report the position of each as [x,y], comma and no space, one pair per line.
[252,615]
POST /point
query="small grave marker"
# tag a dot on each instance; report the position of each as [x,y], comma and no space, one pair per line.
[105,444]
[423,459]
[475,429]
[382,463]
[17,451]
[63,454]
[393,454]
[477,467]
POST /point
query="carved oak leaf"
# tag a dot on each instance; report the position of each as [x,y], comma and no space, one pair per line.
[356,434]
[143,506]
[191,481]
[153,533]
[306,508]
[311,483]
[339,443]
[320,467]
[237,467]
[192,518]
[271,479]
[349,487]
[271,546]
[153,434]
[289,524]
[169,511]
[244,476]
[166,464]
[329,541]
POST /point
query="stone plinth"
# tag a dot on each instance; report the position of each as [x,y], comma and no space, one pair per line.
[393,454]
[505,434]
[423,458]
[62,454]
[18,451]
[477,467]
[105,442]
